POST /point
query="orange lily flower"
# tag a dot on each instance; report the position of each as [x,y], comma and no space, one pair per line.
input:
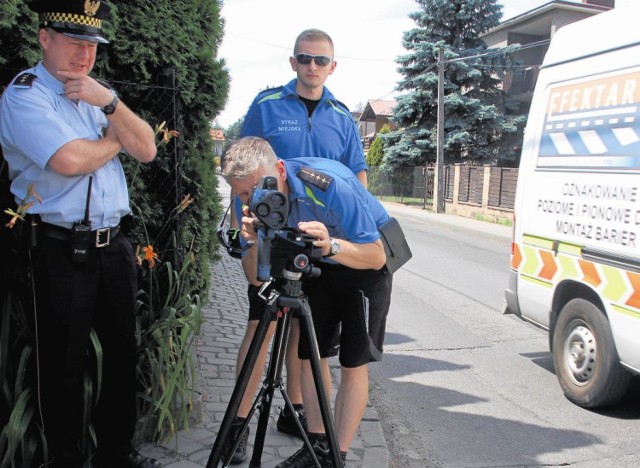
[149,255]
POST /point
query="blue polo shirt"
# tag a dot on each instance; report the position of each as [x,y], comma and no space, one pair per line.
[280,117]
[326,191]
[35,121]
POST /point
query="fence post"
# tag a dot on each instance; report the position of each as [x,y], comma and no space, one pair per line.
[486,185]
[456,185]
[425,172]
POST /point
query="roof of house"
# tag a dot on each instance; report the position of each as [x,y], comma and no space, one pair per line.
[382,108]
[535,13]
[377,108]
[216,134]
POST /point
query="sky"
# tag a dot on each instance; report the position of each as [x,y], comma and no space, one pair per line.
[367,36]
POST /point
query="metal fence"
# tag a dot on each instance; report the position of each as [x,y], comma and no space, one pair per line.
[407,184]
[156,188]
[489,186]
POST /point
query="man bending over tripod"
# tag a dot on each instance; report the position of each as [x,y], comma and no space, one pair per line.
[351,297]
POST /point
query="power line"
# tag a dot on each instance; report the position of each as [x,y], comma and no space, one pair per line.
[343,57]
[488,53]
[499,50]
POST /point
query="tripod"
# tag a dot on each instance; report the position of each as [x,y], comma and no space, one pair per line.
[287,293]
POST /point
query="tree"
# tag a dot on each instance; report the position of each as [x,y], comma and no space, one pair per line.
[360,106]
[376,150]
[173,44]
[232,132]
[18,40]
[478,115]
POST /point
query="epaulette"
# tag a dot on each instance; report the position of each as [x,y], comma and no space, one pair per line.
[314,177]
[24,81]
[103,83]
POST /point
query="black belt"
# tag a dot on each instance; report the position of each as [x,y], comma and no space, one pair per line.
[99,238]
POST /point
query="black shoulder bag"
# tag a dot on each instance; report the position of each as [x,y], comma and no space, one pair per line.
[395,244]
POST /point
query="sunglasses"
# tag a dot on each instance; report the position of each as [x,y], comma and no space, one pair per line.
[320,60]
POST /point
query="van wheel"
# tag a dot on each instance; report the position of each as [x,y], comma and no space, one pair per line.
[585,358]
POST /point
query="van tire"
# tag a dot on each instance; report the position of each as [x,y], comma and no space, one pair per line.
[585,358]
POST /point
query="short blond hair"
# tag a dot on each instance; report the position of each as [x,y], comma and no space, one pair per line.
[244,157]
[312,35]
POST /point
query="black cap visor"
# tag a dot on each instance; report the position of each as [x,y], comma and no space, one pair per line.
[85,34]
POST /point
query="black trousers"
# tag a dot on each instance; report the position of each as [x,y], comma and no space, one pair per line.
[71,299]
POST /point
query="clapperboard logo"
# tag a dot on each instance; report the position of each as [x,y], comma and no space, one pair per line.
[593,124]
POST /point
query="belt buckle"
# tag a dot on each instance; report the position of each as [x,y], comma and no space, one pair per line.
[103,237]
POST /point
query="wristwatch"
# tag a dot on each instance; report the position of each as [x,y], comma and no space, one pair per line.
[111,107]
[335,247]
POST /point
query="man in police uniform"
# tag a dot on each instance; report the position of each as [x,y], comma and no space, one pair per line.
[353,292]
[61,132]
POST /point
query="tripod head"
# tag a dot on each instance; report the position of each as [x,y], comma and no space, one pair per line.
[282,250]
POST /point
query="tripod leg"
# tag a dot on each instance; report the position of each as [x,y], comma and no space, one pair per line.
[325,408]
[241,385]
[272,380]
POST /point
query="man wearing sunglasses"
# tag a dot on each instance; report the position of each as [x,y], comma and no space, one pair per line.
[301,118]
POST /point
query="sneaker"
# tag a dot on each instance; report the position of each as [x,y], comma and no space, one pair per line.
[303,459]
[286,422]
[240,454]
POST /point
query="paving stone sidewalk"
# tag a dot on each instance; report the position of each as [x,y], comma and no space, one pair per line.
[216,350]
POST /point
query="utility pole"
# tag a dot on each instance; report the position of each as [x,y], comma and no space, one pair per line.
[438,199]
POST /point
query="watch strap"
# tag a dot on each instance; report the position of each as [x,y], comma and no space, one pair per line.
[111,107]
[334,249]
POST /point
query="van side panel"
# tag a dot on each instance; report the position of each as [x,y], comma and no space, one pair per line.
[578,197]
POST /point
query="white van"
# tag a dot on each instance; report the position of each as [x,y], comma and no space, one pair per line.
[575,262]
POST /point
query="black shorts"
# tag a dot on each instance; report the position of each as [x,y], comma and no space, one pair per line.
[349,309]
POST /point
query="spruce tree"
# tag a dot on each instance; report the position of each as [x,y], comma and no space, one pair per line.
[478,115]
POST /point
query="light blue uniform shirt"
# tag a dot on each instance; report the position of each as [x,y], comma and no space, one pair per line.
[35,122]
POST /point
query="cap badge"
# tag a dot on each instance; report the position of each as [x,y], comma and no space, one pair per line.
[91,7]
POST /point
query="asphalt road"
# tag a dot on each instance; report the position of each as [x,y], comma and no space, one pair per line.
[462,385]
